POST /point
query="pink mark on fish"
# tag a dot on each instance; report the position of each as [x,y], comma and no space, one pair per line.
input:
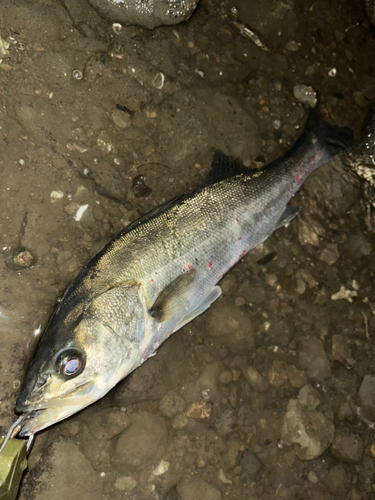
[236,219]
[210,265]
[189,266]
[240,238]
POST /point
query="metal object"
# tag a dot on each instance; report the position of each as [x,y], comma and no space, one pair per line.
[12,464]
[13,460]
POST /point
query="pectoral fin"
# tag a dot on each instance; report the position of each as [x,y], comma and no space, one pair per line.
[201,307]
[174,298]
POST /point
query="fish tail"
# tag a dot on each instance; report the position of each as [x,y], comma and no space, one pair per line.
[334,140]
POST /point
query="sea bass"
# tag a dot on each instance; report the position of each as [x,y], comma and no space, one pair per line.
[161,272]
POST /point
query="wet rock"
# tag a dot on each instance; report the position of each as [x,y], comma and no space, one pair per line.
[341,351]
[108,423]
[142,442]
[313,359]
[139,186]
[311,431]
[338,480]
[297,378]
[19,258]
[367,396]
[125,483]
[171,404]
[306,234]
[225,421]
[330,254]
[191,488]
[347,447]
[255,379]
[232,325]
[226,377]
[305,95]
[251,465]
[200,410]
[121,119]
[180,421]
[148,14]
[292,46]
[63,478]
[277,374]
[309,397]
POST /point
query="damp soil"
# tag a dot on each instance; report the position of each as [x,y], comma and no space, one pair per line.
[270,394]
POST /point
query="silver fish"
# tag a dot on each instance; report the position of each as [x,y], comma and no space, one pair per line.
[161,272]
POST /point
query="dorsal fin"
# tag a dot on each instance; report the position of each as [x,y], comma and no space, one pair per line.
[223,167]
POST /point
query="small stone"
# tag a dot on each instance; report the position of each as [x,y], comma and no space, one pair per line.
[105,424]
[171,404]
[306,234]
[226,377]
[56,195]
[347,447]
[311,431]
[305,95]
[344,293]
[251,464]
[193,487]
[23,259]
[332,72]
[239,302]
[125,483]
[200,410]
[179,421]
[338,481]
[367,396]
[313,359]
[313,478]
[297,378]
[360,99]
[140,187]
[225,422]
[277,374]
[309,397]
[292,46]
[330,254]
[121,119]
[341,351]
[255,379]
[223,477]
[161,469]
[141,442]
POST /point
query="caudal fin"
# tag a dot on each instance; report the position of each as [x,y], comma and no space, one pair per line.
[333,139]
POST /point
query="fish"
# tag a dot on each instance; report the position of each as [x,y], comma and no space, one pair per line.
[161,272]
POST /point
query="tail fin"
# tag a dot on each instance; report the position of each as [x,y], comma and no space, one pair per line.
[333,139]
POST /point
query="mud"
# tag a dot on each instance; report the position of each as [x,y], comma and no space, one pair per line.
[270,394]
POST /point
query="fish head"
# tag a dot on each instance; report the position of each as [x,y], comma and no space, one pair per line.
[78,361]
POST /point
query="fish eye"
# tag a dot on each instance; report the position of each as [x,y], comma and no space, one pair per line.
[69,362]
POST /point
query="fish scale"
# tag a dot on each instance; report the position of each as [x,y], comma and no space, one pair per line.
[161,272]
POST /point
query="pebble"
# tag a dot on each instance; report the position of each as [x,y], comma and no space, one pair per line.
[341,351]
[310,430]
[367,396]
[18,258]
[161,469]
[226,377]
[141,442]
[125,483]
[255,379]
[179,421]
[171,404]
[121,119]
[306,235]
[313,359]
[105,424]
[309,397]
[225,422]
[338,480]
[193,487]
[313,478]
[347,446]
[292,46]
[251,464]
[239,302]
[200,410]
[330,254]
[277,374]
[297,378]
[305,95]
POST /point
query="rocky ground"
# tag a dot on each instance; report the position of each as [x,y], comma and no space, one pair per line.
[271,393]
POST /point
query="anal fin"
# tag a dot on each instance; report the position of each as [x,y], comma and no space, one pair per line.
[287,216]
[201,307]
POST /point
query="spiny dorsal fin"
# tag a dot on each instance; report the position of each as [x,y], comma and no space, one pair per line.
[223,167]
